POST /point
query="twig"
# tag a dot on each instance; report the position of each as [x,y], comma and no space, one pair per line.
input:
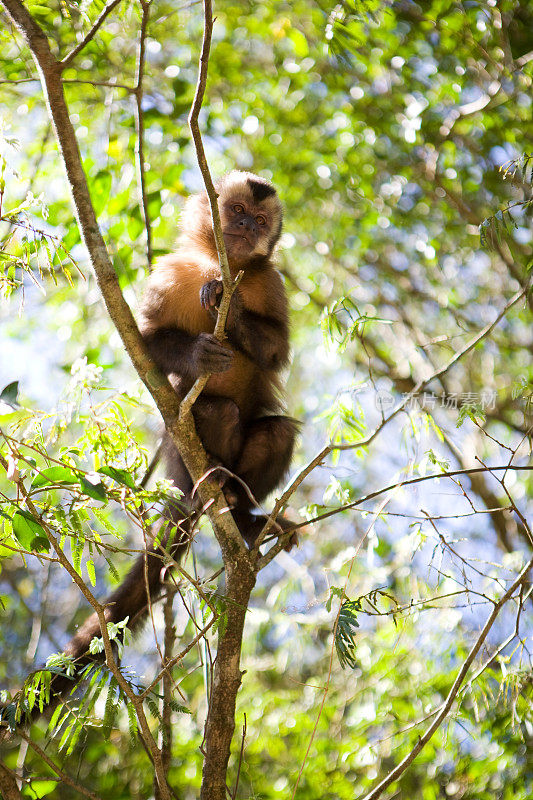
[109,84]
[241,756]
[199,146]
[395,773]
[410,482]
[152,466]
[228,284]
[363,443]
[175,659]
[69,58]
[64,777]
[168,683]
[200,383]
[139,126]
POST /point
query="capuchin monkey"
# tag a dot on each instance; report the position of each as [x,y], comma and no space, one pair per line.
[237,416]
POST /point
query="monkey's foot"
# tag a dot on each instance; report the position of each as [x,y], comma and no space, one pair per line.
[251,525]
[219,475]
[286,525]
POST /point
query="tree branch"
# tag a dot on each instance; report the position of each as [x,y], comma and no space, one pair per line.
[65,62]
[139,125]
[395,773]
[363,443]
[8,785]
[64,777]
[240,572]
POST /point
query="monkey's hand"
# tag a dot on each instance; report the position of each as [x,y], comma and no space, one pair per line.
[211,294]
[210,355]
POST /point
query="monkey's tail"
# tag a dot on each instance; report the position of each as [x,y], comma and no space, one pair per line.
[141,586]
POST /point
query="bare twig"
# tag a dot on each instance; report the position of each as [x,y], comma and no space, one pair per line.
[69,58]
[410,482]
[109,84]
[395,773]
[363,443]
[139,125]
[241,756]
[168,683]
[199,146]
[229,284]
[195,391]
[59,772]
[176,659]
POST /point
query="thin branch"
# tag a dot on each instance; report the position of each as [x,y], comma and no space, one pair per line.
[18,80]
[168,683]
[176,659]
[229,284]
[199,146]
[139,127]
[69,58]
[99,610]
[396,773]
[409,482]
[241,756]
[64,777]
[109,84]
[240,572]
[363,443]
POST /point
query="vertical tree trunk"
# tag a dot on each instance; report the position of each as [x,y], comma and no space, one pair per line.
[220,725]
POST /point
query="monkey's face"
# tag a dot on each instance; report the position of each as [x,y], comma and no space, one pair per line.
[250,213]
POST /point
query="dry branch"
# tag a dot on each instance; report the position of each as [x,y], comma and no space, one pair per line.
[396,773]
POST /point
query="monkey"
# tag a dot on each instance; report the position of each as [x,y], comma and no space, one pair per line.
[238,414]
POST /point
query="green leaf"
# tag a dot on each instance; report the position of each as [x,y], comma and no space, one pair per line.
[9,394]
[29,532]
[301,48]
[93,487]
[179,708]
[119,475]
[132,722]
[39,789]
[345,633]
[110,710]
[52,476]
[89,566]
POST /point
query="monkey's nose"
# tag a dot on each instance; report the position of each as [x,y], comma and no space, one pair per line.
[248,224]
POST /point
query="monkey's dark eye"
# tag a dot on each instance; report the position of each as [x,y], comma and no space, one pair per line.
[238,208]
[261,220]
